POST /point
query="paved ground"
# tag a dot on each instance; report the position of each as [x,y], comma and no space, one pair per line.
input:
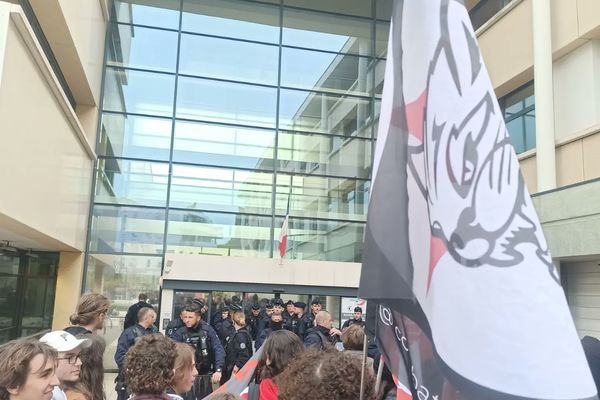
[109,386]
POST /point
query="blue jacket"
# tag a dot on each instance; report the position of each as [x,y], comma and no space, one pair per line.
[183,334]
[127,339]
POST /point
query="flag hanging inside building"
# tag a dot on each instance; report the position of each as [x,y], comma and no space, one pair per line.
[469,304]
[283,235]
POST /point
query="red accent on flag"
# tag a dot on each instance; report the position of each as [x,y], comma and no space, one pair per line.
[437,248]
[283,236]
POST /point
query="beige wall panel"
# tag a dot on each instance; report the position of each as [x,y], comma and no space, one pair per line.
[192,267]
[564,23]
[43,164]
[569,163]
[507,48]
[68,287]
[588,14]
[591,156]
[529,172]
[76,31]
[88,117]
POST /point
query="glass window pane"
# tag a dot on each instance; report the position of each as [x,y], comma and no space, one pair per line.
[228,59]
[143,48]
[235,103]
[134,136]
[9,263]
[42,264]
[227,18]
[379,76]
[8,334]
[132,182]
[311,239]
[320,197]
[160,13]
[220,189]
[326,32]
[8,301]
[35,297]
[383,9]
[325,113]
[324,155]
[359,8]
[227,146]
[529,130]
[121,279]
[315,70]
[127,230]
[517,136]
[138,92]
[382,33]
[198,232]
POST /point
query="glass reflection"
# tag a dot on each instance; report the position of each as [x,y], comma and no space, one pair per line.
[134,136]
[312,239]
[325,113]
[324,155]
[382,33]
[326,32]
[314,70]
[139,92]
[230,18]
[219,189]
[132,182]
[228,59]
[226,102]
[321,197]
[200,232]
[219,145]
[143,48]
[127,230]
[359,8]
[160,13]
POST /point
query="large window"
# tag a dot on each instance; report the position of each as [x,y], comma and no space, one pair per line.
[484,10]
[519,114]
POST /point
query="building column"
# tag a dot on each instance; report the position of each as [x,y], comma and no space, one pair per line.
[544,95]
[68,287]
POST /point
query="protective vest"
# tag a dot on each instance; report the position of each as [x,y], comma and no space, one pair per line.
[199,339]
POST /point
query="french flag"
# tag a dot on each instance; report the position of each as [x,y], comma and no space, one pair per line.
[283,236]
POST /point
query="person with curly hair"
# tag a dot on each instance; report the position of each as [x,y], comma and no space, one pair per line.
[27,370]
[88,318]
[325,374]
[149,366]
[279,350]
[185,371]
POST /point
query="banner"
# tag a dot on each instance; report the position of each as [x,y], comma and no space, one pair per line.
[469,304]
[238,383]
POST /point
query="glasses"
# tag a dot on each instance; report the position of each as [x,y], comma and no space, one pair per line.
[72,359]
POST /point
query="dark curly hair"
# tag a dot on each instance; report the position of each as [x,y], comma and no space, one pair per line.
[280,348]
[149,364]
[325,374]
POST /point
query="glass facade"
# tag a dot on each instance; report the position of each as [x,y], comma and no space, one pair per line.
[519,114]
[484,10]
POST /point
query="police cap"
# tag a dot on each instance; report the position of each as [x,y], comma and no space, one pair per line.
[300,304]
[278,302]
[255,306]
[315,301]
[358,309]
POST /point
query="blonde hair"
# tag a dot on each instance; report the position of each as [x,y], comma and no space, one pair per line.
[353,337]
[239,318]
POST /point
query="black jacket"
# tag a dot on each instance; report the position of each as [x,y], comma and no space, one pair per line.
[238,349]
[132,312]
[318,337]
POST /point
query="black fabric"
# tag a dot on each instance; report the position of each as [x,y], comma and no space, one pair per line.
[77,330]
[132,312]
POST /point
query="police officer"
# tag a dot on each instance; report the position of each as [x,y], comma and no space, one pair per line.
[210,355]
[265,319]
[323,334]
[177,323]
[224,328]
[308,321]
[299,307]
[356,320]
[130,336]
[252,320]
[238,348]
[275,324]
[289,313]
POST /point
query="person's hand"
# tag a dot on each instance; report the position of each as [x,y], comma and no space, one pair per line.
[335,331]
[216,377]
[235,370]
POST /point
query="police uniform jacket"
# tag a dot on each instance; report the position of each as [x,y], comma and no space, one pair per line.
[318,336]
[353,321]
[132,313]
[306,323]
[238,349]
[252,325]
[127,339]
[173,326]
[210,356]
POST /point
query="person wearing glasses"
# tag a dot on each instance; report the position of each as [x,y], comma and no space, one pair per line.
[68,367]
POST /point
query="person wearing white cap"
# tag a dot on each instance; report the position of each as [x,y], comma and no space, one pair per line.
[68,367]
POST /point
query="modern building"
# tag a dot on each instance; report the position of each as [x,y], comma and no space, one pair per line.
[157,145]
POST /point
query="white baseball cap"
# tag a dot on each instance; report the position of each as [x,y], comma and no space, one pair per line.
[63,341]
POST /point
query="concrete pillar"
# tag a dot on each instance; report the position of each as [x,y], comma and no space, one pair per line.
[544,95]
[166,307]
[68,287]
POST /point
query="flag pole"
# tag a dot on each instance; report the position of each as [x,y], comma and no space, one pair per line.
[287,213]
[379,374]
[364,367]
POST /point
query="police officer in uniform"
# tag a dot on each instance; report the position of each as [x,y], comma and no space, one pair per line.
[356,320]
[130,336]
[265,319]
[177,323]
[299,307]
[322,334]
[252,320]
[238,348]
[308,321]
[210,355]
[289,314]
[275,324]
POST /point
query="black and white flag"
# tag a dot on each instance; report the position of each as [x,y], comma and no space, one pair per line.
[469,301]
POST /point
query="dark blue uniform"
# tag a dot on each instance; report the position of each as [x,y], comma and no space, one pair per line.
[252,324]
[173,326]
[128,338]
[131,318]
[353,321]
[238,351]
[210,356]
[306,323]
[318,337]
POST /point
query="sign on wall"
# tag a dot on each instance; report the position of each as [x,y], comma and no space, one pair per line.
[348,304]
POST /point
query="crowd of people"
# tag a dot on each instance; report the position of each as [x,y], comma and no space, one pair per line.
[302,354]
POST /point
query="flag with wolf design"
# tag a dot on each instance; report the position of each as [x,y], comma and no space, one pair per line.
[469,303]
